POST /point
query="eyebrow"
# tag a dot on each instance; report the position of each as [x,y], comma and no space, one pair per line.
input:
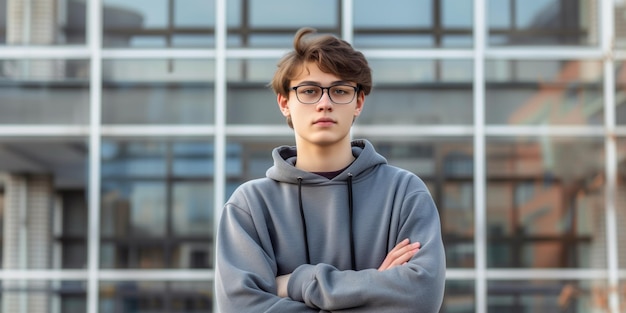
[335,83]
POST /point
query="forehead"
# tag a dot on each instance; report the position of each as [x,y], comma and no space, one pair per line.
[310,71]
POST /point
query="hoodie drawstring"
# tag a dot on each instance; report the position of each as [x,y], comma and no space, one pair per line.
[350,211]
[306,237]
[350,226]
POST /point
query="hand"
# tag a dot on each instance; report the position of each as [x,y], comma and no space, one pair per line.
[400,254]
[281,285]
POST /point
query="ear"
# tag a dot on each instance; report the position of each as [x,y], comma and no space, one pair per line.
[283,104]
[360,101]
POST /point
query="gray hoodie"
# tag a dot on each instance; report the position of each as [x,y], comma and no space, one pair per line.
[332,235]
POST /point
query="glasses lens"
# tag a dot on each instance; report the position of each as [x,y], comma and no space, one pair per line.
[309,94]
[341,94]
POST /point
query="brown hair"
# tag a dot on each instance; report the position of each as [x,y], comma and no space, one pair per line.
[331,54]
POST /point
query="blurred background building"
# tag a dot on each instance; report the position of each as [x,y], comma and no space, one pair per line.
[125,125]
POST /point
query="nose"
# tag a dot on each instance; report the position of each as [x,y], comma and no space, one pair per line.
[324,103]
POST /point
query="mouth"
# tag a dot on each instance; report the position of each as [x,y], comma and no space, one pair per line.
[324,121]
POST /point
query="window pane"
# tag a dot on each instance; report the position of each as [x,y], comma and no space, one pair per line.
[194,13]
[272,23]
[74,229]
[44,210]
[158,92]
[395,14]
[413,24]
[294,14]
[44,92]
[498,13]
[543,22]
[420,93]
[457,13]
[620,98]
[37,23]
[43,296]
[545,203]
[250,100]
[156,296]
[620,203]
[459,297]
[149,23]
[538,92]
[133,159]
[446,166]
[192,208]
[547,296]
[157,200]
[620,24]
[134,208]
[249,157]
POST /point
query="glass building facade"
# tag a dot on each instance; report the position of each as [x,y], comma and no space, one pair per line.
[125,126]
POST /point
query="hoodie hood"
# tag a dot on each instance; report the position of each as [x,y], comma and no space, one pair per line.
[284,169]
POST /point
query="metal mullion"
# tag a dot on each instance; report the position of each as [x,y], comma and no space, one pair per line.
[94,35]
[347,20]
[546,52]
[156,275]
[542,130]
[158,53]
[605,15]
[546,274]
[220,107]
[619,55]
[42,52]
[273,54]
[33,274]
[43,131]
[413,130]
[480,220]
[419,53]
[219,155]
[156,130]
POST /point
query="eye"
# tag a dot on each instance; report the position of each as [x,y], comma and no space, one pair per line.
[308,90]
[342,91]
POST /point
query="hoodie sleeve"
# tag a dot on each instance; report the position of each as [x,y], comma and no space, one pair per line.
[245,279]
[417,286]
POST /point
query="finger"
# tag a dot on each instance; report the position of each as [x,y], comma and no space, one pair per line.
[400,245]
[404,258]
[391,255]
[399,256]
[402,250]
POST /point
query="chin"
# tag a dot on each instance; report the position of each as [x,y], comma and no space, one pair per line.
[326,140]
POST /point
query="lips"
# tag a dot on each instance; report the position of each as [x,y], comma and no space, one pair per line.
[324,120]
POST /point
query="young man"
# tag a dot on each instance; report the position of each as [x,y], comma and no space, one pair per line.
[332,227]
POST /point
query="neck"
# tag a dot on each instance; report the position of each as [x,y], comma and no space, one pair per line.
[315,158]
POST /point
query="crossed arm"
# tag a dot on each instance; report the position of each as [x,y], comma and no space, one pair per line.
[399,255]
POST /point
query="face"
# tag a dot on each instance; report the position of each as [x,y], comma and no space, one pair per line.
[322,123]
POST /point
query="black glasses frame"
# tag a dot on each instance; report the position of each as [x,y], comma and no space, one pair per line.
[356,91]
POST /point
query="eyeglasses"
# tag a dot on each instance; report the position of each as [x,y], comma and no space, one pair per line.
[338,94]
